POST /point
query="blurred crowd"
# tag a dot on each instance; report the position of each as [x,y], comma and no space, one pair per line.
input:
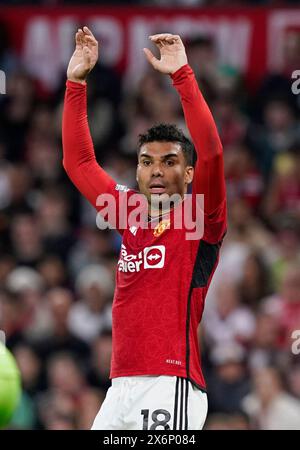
[57,269]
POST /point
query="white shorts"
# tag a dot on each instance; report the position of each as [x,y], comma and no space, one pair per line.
[152,403]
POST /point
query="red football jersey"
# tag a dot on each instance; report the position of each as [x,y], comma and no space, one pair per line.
[162,277]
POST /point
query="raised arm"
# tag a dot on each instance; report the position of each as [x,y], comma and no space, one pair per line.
[78,152]
[209,172]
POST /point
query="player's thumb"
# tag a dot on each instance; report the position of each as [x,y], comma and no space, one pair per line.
[151,58]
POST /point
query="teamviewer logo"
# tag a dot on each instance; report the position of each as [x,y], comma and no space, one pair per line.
[149,258]
[154,257]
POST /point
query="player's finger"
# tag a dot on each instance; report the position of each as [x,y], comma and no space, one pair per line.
[173,39]
[77,39]
[151,58]
[80,35]
[88,32]
[90,40]
[166,38]
[159,37]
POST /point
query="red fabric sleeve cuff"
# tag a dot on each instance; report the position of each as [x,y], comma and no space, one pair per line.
[74,85]
[184,70]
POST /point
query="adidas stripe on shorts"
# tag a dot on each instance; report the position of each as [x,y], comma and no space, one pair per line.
[152,403]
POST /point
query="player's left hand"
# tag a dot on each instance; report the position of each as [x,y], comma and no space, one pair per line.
[172,53]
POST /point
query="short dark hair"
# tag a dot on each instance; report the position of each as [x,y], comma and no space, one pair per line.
[164,132]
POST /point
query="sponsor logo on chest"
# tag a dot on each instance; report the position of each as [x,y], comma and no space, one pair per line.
[148,258]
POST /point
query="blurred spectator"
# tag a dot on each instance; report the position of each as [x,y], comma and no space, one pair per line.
[229,320]
[60,337]
[229,382]
[92,247]
[101,358]
[286,248]
[53,220]
[23,280]
[255,283]
[30,367]
[28,285]
[282,128]
[285,306]
[53,271]
[18,189]
[43,159]
[92,313]
[244,180]
[11,314]
[279,132]
[232,125]
[90,403]
[66,385]
[264,350]
[277,83]
[15,114]
[26,239]
[65,376]
[214,78]
[284,190]
[269,405]
[56,410]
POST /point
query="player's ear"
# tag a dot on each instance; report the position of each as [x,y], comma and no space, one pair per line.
[189,174]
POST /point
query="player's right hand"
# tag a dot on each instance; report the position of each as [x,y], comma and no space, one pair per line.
[84,57]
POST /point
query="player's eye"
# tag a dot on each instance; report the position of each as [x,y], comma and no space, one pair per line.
[146,162]
[170,162]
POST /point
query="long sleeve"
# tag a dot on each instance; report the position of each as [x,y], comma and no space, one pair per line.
[79,158]
[80,162]
[209,177]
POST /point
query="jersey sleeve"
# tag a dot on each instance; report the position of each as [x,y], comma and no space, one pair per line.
[209,177]
[80,162]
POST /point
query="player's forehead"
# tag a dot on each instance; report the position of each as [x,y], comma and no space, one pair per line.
[158,149]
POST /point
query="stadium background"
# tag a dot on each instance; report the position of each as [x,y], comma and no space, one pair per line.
[57,269]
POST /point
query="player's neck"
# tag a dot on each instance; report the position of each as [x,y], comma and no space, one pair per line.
[161,212]
[157,214]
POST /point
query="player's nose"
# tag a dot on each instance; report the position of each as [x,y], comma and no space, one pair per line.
[157,170]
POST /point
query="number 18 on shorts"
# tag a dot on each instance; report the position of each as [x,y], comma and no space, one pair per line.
[152,403]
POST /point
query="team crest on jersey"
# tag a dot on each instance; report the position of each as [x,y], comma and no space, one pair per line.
[133,230]
[161,227]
